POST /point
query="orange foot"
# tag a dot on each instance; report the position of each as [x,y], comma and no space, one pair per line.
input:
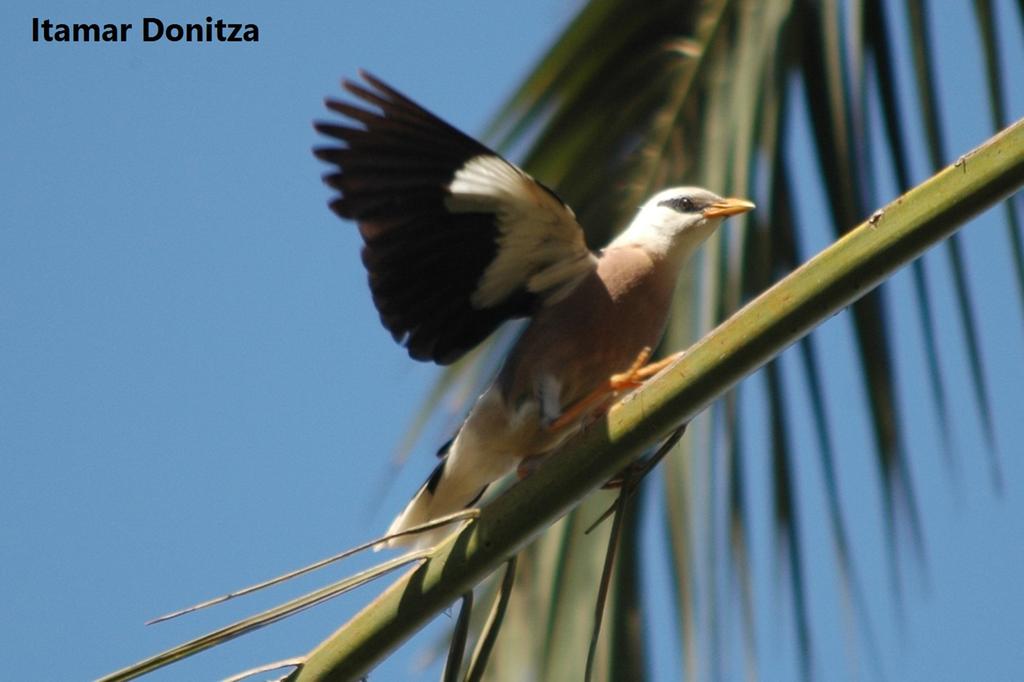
[635,376]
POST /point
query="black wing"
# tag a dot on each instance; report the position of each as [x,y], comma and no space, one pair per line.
[457,240]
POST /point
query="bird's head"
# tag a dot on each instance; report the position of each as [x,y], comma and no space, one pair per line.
[674,222]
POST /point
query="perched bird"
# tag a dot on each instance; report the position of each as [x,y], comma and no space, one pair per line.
[459,240]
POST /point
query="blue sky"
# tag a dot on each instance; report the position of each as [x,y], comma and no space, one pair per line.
[196,393]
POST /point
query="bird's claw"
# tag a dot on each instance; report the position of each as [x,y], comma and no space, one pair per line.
[639,372]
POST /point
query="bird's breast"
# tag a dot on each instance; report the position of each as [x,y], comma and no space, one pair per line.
[595,332]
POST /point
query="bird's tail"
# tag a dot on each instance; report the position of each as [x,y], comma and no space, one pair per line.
[454,485]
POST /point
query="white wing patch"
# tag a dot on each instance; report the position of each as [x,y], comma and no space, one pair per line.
[540,244]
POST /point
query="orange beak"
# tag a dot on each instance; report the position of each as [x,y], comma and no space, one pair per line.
[728,207]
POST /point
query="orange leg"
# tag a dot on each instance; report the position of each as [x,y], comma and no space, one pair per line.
[635,376]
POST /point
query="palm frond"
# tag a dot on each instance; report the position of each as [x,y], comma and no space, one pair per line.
[859,261]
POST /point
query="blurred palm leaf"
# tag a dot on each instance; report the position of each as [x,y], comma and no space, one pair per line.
[629,101]
[709,93]
[752,337]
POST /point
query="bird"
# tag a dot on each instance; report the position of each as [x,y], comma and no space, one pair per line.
[457,240]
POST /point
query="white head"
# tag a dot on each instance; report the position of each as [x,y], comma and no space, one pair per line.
[674,222]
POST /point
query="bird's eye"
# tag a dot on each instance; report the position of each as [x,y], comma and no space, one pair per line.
[681,204]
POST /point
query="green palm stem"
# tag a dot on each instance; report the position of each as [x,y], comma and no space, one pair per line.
[833,279]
